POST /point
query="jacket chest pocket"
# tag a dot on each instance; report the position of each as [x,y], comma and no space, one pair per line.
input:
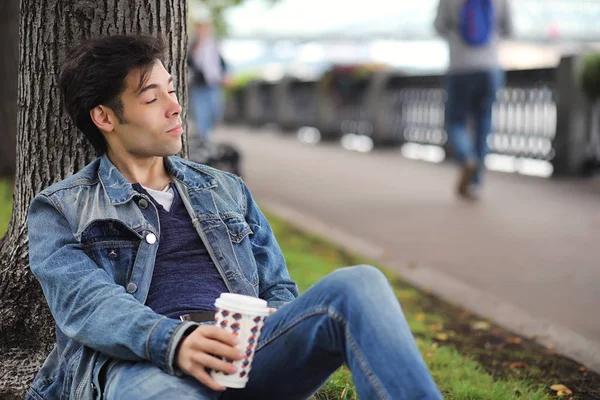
[239,233]
[238,229]
[113,246]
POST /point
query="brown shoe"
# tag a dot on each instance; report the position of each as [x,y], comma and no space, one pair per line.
[468,171]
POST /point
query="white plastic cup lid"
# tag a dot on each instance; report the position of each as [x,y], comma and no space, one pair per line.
[233,301]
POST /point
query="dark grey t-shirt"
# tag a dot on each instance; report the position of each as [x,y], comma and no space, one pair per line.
[185,279]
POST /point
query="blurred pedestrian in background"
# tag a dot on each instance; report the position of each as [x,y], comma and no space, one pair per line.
[208,74]
[473,29]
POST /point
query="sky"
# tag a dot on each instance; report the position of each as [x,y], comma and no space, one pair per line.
[303,17]
[570,18]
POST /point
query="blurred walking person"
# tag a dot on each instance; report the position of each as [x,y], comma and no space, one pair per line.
[472,29]
[208,75]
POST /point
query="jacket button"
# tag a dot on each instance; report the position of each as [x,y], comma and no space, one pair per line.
[112,254]
[143,204]
[151,238]
[131,287]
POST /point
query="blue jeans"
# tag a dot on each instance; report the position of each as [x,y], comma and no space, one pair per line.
[471,94]
[206,107]
[351,316]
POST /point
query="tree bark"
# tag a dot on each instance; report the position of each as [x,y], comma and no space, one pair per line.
[50,148]
[9,48]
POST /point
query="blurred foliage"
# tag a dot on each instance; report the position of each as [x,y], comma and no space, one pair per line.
[590,77]
[217,9]
[6,202]
[241,80]
[346,82]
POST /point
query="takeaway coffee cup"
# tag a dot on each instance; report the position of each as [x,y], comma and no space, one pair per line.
[243,316]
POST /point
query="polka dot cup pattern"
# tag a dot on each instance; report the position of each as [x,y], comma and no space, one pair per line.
[244,316]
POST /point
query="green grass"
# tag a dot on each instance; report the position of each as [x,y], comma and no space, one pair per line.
[459,377]
[5,205]
[462,378]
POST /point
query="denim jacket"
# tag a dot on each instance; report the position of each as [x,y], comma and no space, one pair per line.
[92,245]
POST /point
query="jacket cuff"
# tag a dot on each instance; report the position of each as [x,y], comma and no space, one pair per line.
[163,341]
[182,334]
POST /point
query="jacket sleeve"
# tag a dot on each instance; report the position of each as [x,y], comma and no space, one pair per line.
[275,284]
[442,21]
[86,303]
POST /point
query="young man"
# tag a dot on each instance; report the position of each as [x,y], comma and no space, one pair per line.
[132,251]
[472,29]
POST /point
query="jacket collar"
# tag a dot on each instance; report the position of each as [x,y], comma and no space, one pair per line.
[120,191]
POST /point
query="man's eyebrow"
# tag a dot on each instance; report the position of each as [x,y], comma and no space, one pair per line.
[152,86]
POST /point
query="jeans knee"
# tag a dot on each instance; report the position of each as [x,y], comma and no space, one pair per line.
[360,282]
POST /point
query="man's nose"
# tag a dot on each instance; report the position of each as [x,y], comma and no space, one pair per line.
[174,107]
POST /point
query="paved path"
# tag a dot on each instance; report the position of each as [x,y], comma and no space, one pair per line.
[527,255]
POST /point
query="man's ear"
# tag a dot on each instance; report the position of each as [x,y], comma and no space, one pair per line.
[103,117]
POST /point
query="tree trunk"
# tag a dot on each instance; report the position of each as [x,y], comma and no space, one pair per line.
[49,148]
[9,48]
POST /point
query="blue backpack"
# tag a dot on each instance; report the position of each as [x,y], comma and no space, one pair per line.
[476,22]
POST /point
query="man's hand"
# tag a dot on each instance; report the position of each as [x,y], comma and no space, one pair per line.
[200,349]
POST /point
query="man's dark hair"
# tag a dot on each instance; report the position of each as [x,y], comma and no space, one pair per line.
[94,73]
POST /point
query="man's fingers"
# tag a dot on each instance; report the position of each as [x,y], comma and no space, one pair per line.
[209,361]
[203,349]
[204,377]
[217,333]
[220,349]
[215,340]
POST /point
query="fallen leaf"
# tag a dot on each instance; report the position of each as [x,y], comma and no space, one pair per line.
[429,355]
[561,393]
[481,326]
[441,337]
[435,327]
[561,389]
[420,316]
[582,369]
[519,364]
[434,345]
[497,331]
[514,340]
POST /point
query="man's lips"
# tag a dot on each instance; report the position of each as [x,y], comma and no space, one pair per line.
[177,129]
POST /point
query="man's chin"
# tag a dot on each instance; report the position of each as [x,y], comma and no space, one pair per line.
[172,150]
